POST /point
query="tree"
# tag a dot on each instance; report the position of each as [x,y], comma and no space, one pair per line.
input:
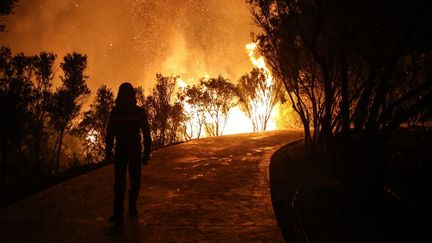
[67,101]
[163,115]
[92,129]
[194,108]
[292,64]
[349,62]
[175,122]
[258,95]
[340,57]
[44,73]
[218,98]
[6,8]
[139,91]
[15,100]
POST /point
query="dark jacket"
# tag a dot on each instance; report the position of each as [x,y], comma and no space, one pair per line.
[124,125]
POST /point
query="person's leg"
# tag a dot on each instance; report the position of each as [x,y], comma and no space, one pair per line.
[119,187]
[135,182]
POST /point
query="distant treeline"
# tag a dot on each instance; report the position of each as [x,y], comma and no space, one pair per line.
[38,118]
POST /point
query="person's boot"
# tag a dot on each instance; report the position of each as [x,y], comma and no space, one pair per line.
[133,196]
[133,211]
[117,217]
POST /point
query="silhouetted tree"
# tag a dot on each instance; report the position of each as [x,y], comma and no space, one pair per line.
[258,95]
[194,109]
[218,98]
[139,90]
[175,123]
[67,101]
[343,55]
[6,8]
[15,99]
[44,73]
[163,114]
[92,129]
[349,61]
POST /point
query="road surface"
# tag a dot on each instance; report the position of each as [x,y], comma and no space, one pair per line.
[206,190]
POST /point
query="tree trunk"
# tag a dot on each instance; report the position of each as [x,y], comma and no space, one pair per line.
[54,154]
[3,164]
[344,106]
[163,137]
[59,151]
[37,151]
[200,128]
[327,118]
[307,137]
[361,112]
[379,99]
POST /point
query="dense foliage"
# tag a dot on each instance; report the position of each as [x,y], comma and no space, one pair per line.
[357,66]
[49,130]
[354,71]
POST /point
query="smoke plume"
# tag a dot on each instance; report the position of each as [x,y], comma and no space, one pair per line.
[131,40]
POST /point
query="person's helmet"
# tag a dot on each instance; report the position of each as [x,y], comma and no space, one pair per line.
[126,96]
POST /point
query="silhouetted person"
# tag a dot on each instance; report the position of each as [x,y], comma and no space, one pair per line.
[126,122]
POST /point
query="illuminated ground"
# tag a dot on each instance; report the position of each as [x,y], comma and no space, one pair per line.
[213,189]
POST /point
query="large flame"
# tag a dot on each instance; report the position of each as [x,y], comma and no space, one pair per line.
[260,105]
[192,123]
[238,122]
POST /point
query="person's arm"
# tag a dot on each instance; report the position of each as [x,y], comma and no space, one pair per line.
[109,139]
[145,128]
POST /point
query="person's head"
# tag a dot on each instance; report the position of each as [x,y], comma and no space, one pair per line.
[126,96]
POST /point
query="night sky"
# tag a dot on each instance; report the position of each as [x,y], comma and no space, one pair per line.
[131,40]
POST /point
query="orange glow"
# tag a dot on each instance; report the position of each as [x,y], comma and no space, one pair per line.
[180,83]
[261,105]
[237,121]
[191,125]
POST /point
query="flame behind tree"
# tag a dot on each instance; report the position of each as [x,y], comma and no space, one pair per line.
[164,114]
[219,98]
[67,101]
[139,92]
[258,92]
[347,82]
[93,126]
[192,99]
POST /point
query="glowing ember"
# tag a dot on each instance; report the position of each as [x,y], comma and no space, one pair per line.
[92,136]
